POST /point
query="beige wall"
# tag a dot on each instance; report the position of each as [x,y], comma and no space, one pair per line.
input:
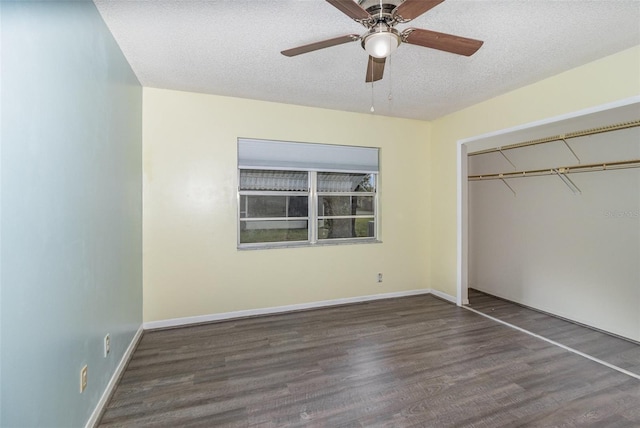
[191,264]
[612,78]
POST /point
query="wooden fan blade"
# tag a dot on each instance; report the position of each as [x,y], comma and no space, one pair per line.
[350,8]
[320,45]
[375,69]
[411,9]
[441,41]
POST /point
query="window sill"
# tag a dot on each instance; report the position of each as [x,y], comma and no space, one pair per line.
[327,243]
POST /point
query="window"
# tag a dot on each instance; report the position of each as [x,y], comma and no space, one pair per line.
[346,205]
[274,206]
[304,194]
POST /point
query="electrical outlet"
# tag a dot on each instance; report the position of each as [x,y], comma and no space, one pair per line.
[83,378]
[380,277]
[107,345]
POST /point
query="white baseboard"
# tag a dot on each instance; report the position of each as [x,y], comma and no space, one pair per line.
[177,322]
[97,412]
[444,296]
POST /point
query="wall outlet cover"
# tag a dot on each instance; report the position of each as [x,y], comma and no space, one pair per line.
[83,378]
[107,345]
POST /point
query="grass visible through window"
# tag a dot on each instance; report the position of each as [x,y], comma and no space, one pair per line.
[272,235]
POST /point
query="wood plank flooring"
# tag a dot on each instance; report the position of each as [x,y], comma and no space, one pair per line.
[614,350]
[406,362]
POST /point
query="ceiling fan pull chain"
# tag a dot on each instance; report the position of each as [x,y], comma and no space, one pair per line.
[372,109]
[390,96]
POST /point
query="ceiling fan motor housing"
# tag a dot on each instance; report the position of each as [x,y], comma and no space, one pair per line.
[380,11]
[382,39]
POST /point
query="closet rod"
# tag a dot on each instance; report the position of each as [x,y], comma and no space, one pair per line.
[635,163]
[570,135]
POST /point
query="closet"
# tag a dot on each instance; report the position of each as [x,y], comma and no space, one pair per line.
[554,222]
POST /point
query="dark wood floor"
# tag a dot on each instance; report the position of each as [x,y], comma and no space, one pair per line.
[407,362]
[614,350]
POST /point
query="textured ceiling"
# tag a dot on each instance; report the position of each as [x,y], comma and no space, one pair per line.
[232,48]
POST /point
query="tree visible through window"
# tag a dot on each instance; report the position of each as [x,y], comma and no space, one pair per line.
[346,206]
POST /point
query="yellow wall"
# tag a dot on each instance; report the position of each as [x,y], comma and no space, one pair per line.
[612,78]
[191,264]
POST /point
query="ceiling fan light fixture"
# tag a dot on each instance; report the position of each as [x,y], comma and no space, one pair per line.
[381,44]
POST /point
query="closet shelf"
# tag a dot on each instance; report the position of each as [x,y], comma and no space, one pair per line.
[562,137]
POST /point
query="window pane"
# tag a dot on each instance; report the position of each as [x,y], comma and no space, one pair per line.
[255,179]
[253,206]
[273,231]
[345,205]
[343,182]
[346,228]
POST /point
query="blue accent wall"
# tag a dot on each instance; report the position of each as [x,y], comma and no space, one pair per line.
[70,211]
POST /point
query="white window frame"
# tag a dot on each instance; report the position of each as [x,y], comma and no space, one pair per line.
[313,217]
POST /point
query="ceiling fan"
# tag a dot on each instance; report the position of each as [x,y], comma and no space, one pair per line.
[380,17]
